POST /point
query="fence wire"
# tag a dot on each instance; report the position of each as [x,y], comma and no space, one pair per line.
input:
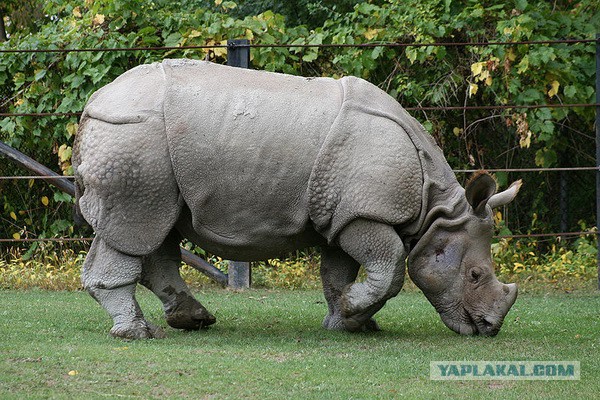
[306,45]
[327,45]
[419,108]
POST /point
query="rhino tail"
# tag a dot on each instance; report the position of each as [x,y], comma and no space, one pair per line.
[78,218]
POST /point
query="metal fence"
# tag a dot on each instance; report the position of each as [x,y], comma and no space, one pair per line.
[238,55]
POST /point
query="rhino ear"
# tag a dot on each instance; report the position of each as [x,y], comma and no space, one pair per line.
[505,197]
[480,188]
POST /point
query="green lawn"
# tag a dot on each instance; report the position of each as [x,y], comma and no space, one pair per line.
[269,344]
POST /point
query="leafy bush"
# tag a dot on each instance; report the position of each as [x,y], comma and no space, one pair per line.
[522,259]
[426,75]
[52,269]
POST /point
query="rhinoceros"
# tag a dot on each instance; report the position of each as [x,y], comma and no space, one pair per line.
[250,165]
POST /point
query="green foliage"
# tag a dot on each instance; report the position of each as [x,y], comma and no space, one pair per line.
[52,269]
[425,75]
[21,17]
[298,272]
[524,260]
[31,210]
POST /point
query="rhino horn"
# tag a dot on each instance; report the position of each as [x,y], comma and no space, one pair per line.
[481,191]
[505,197]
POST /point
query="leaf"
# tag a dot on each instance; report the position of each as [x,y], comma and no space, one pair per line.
[45,201]
[61,197]
[13,215]
[411,53]
[570,91]
[371,33]
[554,88]
[523,65]
[39,74]
[473,88]
[98,19]
[73,372]
[194,34]
[501,178]
[221,51]
[72,129]
[229,5]
[531,95]
[511,55]
[60,226]
[376,52]
[173,40]
[16,236]
[525,140]
[545,158]
[521,5]
[8,125]
[317,39]
[64,153]
[477,68]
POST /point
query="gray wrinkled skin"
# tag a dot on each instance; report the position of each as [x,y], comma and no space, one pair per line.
[250,165]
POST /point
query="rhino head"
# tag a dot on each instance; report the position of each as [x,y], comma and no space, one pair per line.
[452,264]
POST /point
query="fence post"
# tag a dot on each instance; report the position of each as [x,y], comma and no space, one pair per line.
[238,55]
[598,152]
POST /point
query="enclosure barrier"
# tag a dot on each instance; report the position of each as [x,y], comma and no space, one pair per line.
[239,275]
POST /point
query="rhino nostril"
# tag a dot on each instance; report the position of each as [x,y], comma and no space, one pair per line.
[489,327]
[506,289]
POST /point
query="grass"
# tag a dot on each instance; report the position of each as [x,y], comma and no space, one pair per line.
[269,345]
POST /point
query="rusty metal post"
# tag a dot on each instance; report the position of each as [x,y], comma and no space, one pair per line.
[238,53]
[598,152]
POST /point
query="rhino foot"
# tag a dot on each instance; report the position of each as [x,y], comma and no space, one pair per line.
[337,323]
[352,325]
[189,314]
[139,329]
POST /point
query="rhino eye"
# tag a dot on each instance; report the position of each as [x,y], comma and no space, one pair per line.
[475,275]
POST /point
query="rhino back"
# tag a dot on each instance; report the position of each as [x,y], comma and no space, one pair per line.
[243,144]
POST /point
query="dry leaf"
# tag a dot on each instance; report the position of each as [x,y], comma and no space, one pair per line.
[98,19]
[554,89]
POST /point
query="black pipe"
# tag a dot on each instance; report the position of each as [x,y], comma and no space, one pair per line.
[598,151]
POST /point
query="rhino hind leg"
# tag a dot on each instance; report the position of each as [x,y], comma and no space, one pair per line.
[160,274]
[339,270]
[379,249]
[111,278]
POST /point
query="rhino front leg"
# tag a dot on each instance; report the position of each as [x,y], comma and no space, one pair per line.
[111,278]
[161,275]
[338,270]
[380,250]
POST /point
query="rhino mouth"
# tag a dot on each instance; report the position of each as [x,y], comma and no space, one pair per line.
[480,322]
[468,324]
